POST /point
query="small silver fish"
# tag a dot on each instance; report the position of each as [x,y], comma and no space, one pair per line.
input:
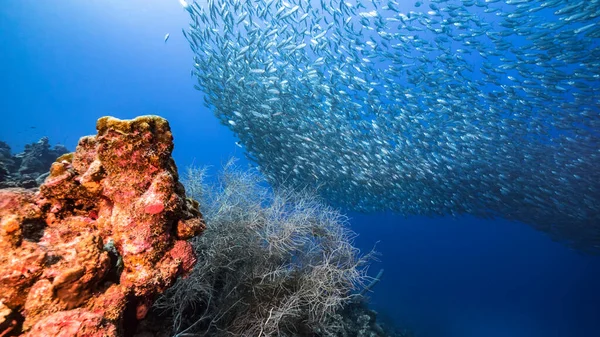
[438,108]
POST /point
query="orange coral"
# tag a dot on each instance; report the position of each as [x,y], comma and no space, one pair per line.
[106,232]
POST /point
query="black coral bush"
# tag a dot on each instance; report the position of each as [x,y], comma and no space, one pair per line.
[271,263]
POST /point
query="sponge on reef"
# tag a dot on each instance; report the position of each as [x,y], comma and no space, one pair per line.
[86,254]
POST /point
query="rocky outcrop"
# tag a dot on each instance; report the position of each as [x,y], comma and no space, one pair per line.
[355,319]
[30,167]
[87,253]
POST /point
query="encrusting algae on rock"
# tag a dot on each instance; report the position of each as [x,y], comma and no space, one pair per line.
[106,232]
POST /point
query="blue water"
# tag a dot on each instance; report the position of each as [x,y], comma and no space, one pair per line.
[65,63]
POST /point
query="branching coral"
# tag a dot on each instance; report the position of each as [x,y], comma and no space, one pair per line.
[270,262]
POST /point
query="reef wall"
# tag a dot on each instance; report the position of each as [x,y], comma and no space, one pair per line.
[86,254]
[29,168]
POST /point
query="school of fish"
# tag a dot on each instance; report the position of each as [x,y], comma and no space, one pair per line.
[442,107]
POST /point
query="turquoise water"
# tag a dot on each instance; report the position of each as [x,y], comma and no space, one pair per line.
[66,63]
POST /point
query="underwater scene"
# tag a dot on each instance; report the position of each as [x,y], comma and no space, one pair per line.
[321,168]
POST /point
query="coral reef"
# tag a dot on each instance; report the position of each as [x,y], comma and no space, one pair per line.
[106,232]
[30,167]
[355,319]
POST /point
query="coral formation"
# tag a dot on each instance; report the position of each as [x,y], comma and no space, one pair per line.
[272,263]
[355,319]
[106,232]
[30,167]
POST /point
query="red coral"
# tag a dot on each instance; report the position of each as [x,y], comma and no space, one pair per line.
[97,237]
[183,251]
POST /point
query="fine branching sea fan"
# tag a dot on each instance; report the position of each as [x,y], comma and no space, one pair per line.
[270,262]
